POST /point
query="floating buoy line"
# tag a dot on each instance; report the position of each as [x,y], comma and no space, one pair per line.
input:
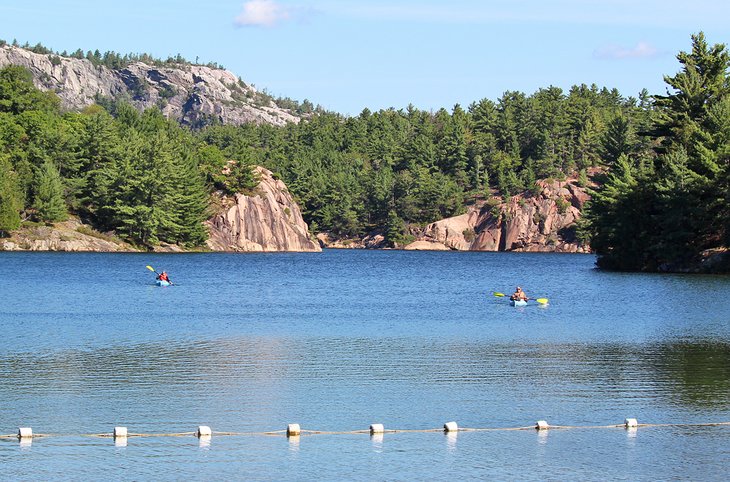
[25,434]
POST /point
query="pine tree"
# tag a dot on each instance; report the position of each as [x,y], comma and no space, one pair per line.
[48,200]
[619,220]
[10,198]
[133,189]
[664,218]
[100,145]
[684,112]
[395,229]
[618,139]
[18,94]
[188,202]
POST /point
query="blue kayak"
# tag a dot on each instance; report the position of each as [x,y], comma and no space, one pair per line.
[160,282]
[518,303]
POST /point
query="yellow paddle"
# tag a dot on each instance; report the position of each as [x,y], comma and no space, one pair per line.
[158,274]
[542,301]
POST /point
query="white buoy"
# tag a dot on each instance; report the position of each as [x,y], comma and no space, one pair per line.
[292,430]
[451,427]
[204,431]
[25,432]
[120,432]
[631,423]
[376,428]
[542,425]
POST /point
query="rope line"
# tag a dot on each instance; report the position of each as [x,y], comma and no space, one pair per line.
[360,432]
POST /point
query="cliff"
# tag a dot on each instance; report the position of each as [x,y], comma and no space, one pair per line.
[189,93]
[542,222]
[269,220]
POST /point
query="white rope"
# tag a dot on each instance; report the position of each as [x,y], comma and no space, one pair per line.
[389,431]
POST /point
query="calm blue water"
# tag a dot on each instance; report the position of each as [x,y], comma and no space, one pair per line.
[342,339]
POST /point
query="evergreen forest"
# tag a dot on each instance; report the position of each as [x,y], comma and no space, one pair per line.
[660,163]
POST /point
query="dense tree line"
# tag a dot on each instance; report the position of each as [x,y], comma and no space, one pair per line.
[139,175]
[387,169]
[661,161]
[660,209]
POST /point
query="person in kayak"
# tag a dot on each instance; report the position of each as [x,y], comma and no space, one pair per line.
[519,295]
[163,276]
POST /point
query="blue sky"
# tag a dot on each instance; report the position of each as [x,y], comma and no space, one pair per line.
[378,54]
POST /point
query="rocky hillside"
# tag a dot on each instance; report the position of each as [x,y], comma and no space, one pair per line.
[190,93]
[269,220]
[542,222]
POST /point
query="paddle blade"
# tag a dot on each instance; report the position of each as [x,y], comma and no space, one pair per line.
[542,301]
[151,268]
[498,295]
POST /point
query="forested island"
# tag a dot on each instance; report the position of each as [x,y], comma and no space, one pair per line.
[656,166]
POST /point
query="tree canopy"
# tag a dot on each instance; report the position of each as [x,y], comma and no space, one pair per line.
[660,209]
[661,162]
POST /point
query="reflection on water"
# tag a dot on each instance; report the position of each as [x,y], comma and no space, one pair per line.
[699,372]
[451,440]
[262,380]
[334,342]
[204,441]
[377,441]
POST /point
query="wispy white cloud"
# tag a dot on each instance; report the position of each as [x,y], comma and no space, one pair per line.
[262,13]
[641,50]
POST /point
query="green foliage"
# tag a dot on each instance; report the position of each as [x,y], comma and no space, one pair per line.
[395,230]
[18,94]
[349,174]
[562,205]
[665,196]
[620,220]
[10,197]
[113,60]
[48,201]
[154,190]
[583,180]
[677,206]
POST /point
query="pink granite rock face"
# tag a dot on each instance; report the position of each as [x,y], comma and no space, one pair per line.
[541,222]
[269,220]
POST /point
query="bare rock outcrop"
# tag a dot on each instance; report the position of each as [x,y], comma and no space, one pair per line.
[542,222]
[374,240]
[269,220]
[426,246]
[192,94]
[69,235]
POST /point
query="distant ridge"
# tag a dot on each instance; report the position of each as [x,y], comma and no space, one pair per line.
[195,95]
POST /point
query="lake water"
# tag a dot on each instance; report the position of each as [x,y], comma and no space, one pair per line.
[338,340]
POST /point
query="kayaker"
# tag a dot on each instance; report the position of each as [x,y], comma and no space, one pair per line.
[163,276]
[519,295]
